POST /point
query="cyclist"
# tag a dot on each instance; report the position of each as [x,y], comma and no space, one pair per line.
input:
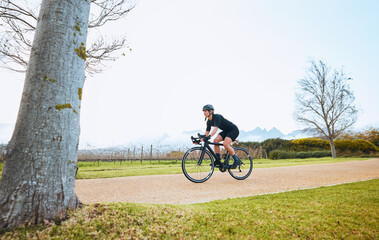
[229,134]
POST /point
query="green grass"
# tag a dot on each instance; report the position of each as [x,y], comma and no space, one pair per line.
[88,170]
[348,211]
[91,170]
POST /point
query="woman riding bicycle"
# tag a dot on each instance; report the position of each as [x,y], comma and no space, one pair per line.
[229,134]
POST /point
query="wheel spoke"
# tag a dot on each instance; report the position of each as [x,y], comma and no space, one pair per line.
[245,167]
[195,170]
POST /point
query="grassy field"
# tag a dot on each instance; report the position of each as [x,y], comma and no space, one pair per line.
[88,170]
[348,211]
[91,170]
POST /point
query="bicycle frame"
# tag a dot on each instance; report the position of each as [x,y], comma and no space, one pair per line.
[192,165]
[207,146]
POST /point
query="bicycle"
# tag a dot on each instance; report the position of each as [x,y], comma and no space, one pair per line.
[198,162]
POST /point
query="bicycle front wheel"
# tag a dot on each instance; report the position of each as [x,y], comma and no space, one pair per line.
[245,168]
[196,168]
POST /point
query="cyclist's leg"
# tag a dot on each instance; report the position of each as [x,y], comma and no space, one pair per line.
[226,143]
[217,149]
[217,139]
[227,146]
[231,136]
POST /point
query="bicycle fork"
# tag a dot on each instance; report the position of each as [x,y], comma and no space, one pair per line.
[201,157]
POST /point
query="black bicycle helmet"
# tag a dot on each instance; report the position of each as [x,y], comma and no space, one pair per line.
[208,107]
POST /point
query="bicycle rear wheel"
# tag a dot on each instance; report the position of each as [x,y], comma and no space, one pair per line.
[196,169]
[245,168]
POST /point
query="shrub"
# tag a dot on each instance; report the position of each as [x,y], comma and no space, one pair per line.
[371,135]
[280,154]
[311,144]
[355,146]
[343,146]
[312,147]
[276,143]
[175,155]
[246,145]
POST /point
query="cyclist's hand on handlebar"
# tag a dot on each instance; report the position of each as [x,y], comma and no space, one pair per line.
[205,138]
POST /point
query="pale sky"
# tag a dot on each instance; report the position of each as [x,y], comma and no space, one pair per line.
[242,56]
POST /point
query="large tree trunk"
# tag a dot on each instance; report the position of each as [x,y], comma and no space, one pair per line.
[333,148]
[38,179]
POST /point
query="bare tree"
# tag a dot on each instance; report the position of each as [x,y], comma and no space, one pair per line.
[17,30]
[18,26]
[325,102]
[38,177]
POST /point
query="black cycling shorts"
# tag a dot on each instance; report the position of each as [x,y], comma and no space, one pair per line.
[233,134]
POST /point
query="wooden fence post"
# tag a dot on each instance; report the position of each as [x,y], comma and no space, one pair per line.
[151,153]
[128,156]
[141,154]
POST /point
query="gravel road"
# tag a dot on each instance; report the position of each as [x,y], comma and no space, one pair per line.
[176,189]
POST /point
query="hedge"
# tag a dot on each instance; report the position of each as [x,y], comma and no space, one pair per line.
[276,144]
[312,147]
[311,143]
[279,154]
[342,145]
[356,145]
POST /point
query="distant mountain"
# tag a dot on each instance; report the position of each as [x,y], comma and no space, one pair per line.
[297,134]
[166,142]
[182,139]
[258,134]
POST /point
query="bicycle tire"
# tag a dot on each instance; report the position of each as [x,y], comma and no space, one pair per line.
[192,170]
[244,170]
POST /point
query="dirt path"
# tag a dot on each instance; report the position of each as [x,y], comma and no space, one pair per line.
[176,189]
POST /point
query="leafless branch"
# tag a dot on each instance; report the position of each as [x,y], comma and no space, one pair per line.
[18,21]
[324,100]
[108,10]
[102,51]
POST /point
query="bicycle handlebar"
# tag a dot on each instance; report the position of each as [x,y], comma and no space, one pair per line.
[197,140]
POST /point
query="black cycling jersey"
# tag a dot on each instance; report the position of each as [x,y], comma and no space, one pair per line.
[219,121]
